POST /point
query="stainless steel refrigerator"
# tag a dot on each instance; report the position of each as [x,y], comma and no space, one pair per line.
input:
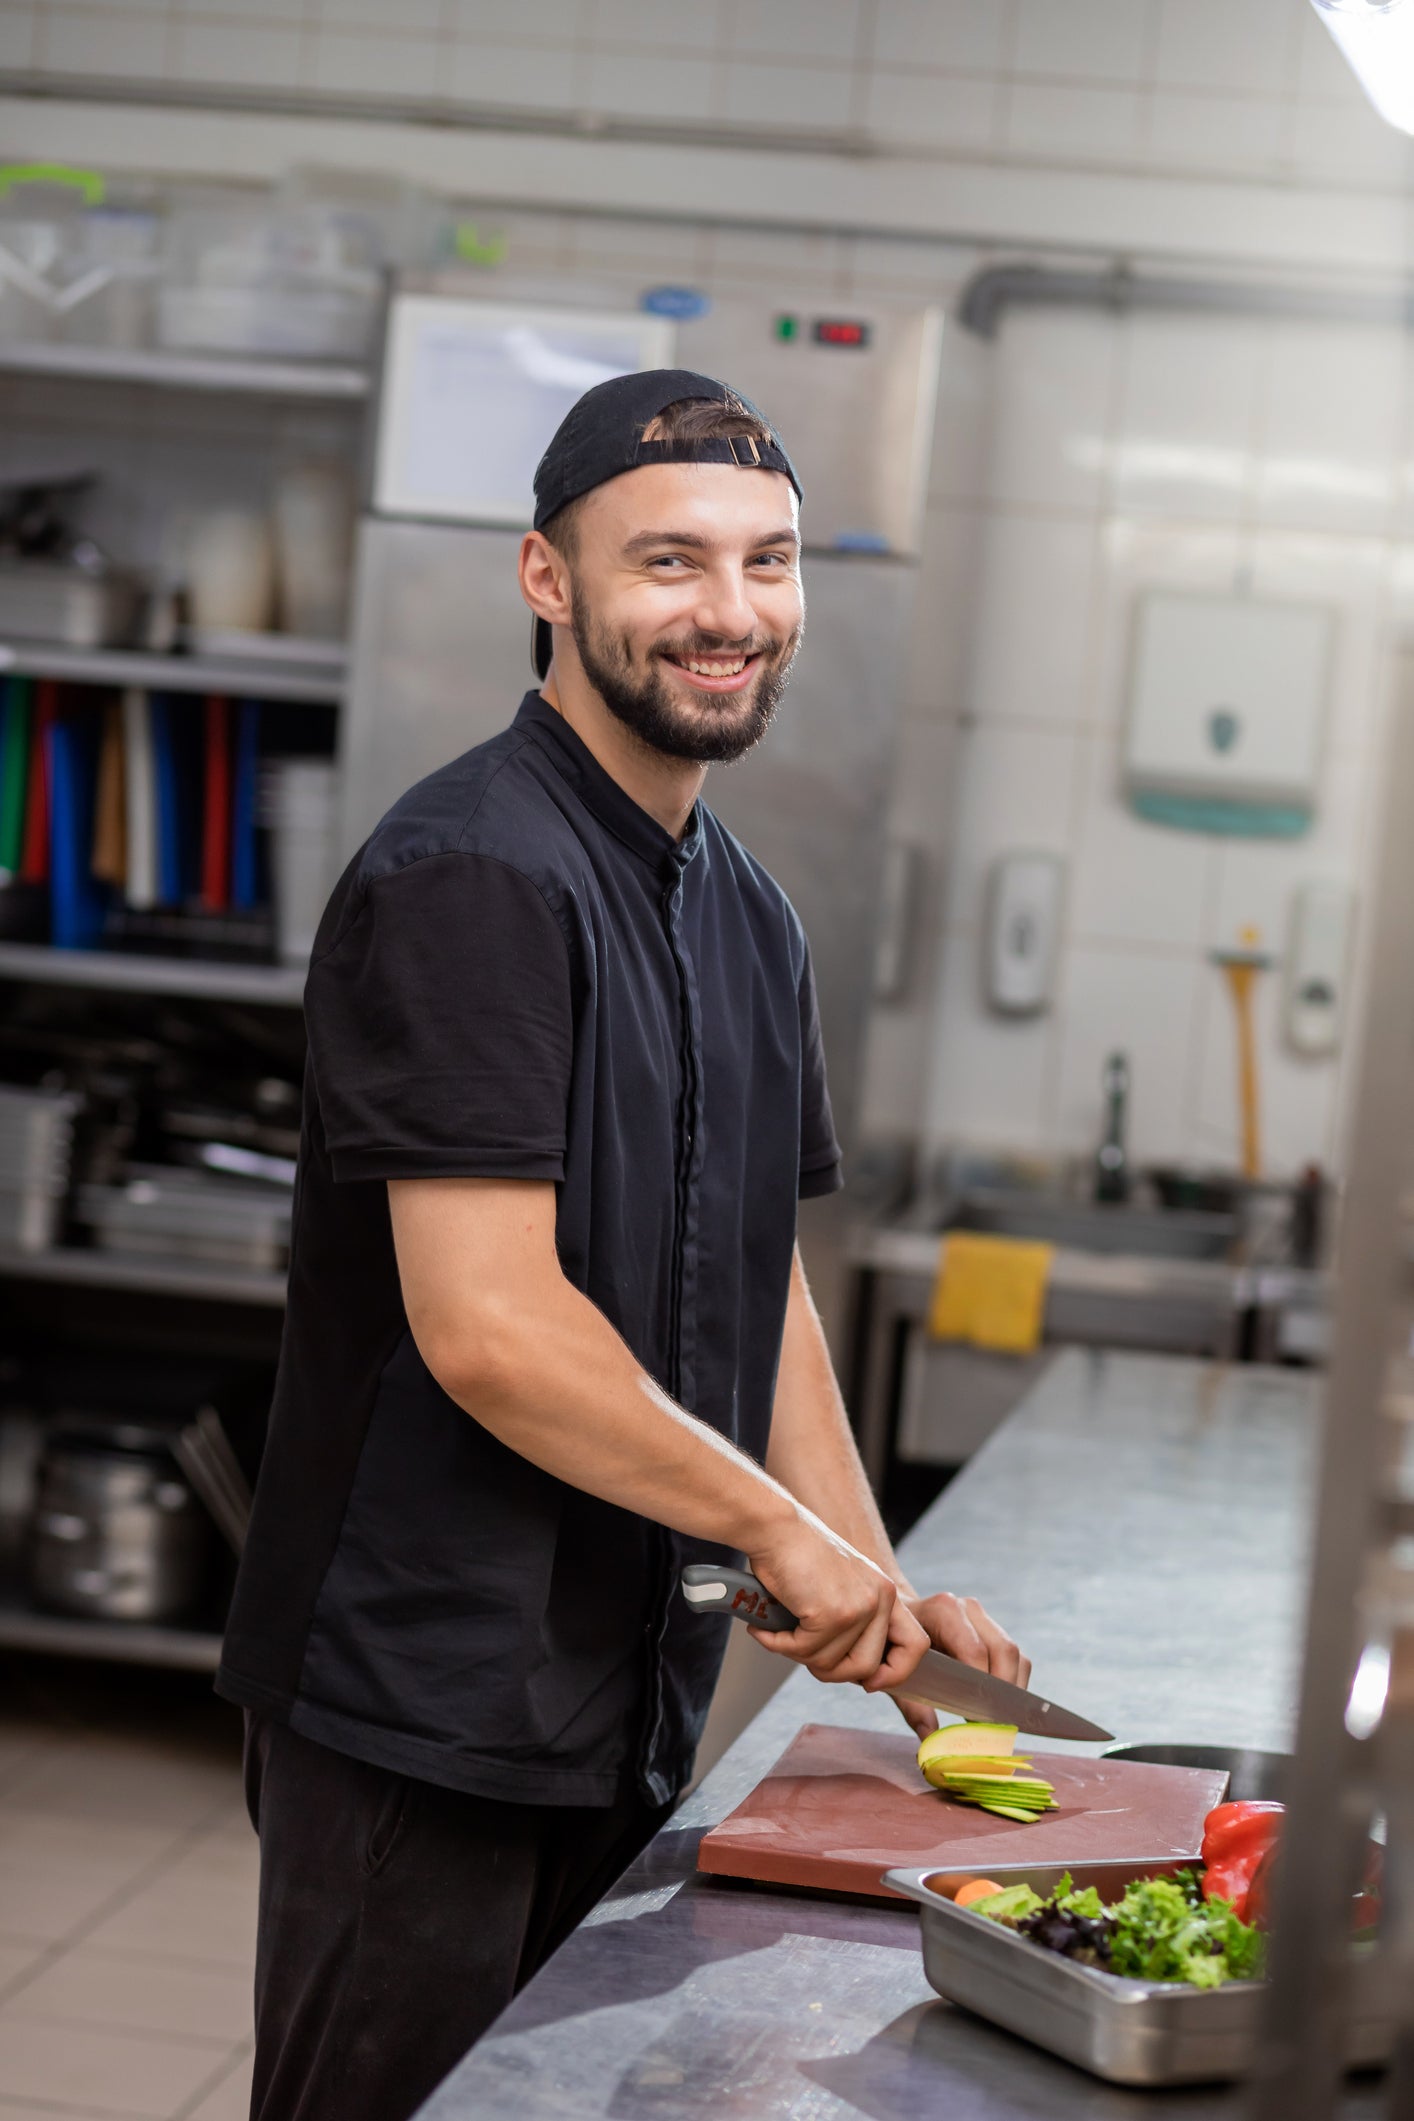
[440,648]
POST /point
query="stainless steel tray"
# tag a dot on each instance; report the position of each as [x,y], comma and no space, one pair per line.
[1131,2032]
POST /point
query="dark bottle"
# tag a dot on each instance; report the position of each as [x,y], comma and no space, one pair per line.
[1111,1160]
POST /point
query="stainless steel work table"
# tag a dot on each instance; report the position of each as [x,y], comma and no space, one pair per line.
[1141,1523]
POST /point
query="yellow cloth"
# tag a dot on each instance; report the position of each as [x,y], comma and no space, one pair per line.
[991,1291]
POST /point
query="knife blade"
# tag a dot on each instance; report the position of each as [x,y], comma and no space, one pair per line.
[943,1681]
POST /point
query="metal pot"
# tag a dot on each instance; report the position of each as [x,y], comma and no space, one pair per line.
[118,1534]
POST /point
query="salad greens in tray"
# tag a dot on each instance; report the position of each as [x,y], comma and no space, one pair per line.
[1162,1930]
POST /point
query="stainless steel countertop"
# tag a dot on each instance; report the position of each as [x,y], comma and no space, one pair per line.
[1140,1522]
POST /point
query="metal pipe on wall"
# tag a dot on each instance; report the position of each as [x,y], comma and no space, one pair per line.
[989,294]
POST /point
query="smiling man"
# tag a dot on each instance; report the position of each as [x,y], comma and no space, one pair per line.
[548,1336]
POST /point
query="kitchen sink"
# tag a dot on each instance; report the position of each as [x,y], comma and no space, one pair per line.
[1086,1226]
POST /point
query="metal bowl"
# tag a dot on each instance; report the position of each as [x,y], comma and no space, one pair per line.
[1252,1776]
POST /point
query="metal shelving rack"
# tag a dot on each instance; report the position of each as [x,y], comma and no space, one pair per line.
[279,986]
[116,1641]
[248,375]
[92,1268]
[299,677]
[171,673]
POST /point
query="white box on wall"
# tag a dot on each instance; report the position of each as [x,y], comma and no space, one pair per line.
[1226,712]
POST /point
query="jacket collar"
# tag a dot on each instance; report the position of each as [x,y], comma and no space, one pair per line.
[601,793]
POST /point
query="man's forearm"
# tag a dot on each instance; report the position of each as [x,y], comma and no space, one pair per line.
[812,1450]
[560,1388]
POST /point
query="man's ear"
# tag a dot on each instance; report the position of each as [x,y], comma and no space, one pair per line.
[544,579]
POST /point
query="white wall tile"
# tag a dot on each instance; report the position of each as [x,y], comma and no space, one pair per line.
[1333,427]
[549,23]
[18,40]
[1191,392]
[924,270]
[931,110]
[254,54]
[522,77]
[1058,121]
[1351,576]
[962,36]
[682,25]
[925,771]
[82,40]
[753,257]
[1347,143]
[367,63]
[409,16]
[1051,447]
[1296,1095]
[798,29]
[788,95]
[1255,881]
[1217,44]
[962,424]
[1033,619]
[1144,1006]
[1135,555]
[649,85]
[942,649]
[1242,136]
[1133,882]
[988,1075]
[1015,790]
[1321,68]
[1094,40]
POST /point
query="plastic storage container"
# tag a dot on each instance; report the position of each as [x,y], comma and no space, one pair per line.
[300,803]
[291,280]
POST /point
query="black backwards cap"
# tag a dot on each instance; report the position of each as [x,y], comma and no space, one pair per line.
[601,436]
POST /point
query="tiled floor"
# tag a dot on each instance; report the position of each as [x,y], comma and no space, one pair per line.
[127,1898]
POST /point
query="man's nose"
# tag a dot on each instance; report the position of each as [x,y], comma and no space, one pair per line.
[725,609]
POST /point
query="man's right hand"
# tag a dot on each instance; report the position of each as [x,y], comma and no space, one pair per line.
[852,1625]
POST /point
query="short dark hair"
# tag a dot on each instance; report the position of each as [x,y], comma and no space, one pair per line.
[687,420]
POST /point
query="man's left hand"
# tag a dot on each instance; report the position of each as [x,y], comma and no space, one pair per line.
[966,1630]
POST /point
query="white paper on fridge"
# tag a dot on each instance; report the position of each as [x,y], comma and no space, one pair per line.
[473,391]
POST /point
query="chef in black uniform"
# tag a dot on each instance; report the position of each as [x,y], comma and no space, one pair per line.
[548,1335]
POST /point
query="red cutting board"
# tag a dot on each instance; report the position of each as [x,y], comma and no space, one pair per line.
[841,1807]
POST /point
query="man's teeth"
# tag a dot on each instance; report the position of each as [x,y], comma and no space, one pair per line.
[717,669]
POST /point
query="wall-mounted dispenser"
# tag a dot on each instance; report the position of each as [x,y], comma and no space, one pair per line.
[1317,968]
[1226,708]
[1022,932]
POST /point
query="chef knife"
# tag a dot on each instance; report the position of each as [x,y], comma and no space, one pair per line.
[939,1679]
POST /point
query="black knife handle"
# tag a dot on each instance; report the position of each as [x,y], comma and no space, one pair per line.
[710,1589]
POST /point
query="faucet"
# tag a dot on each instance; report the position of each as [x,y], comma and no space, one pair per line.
[1112,1161]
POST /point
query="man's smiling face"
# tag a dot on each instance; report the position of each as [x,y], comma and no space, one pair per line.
[687,602]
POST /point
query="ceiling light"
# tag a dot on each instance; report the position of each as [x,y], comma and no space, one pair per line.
[1377,38]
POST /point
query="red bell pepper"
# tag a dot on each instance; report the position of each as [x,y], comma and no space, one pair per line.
[1237,1839]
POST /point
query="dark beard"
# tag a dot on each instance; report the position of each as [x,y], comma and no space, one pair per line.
[711,733]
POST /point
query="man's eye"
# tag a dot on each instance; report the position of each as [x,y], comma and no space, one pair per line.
[771,559]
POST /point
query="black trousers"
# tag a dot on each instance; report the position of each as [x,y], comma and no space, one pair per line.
[397,1919]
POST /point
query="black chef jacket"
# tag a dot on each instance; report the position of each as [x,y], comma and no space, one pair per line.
[522,975]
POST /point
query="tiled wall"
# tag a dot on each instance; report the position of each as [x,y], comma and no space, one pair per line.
[1078,459]
[1152,451]
[1253,88]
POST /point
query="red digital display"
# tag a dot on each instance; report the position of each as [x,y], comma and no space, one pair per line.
[840,331]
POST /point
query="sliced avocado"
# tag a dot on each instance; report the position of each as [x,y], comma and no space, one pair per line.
[995,1740]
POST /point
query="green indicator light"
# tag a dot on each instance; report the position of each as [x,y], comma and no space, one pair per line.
[787,327]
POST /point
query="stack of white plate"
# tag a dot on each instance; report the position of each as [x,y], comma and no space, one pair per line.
[36,1143]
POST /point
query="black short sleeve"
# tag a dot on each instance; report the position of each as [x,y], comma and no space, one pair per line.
[440,1027]
[819,1151]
